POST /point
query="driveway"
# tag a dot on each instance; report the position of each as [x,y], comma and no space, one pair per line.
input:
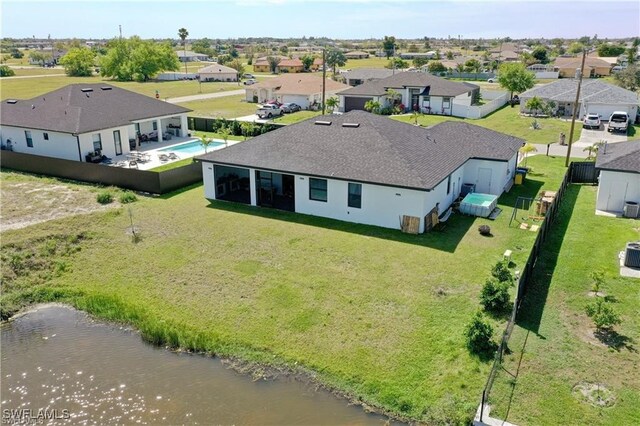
[253,118]
[206,96]
[588,137]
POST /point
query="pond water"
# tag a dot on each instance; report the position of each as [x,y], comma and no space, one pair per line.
[60,365]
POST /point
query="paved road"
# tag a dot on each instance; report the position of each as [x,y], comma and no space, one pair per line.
[206,96]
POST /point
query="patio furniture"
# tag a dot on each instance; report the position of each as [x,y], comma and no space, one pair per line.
[173,156]
[163,158]
[442,220]
[133,164]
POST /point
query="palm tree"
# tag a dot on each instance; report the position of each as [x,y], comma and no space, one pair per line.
[224,134]
[526,150]
[247,128]
[332,102]
[183,34]
[205,142]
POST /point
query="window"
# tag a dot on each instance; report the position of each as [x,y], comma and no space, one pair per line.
[318,189]
[27,135]
[117,142]
[155,125]
[97,142]
[449,185]
[355,195]
[446,102]
[46,136]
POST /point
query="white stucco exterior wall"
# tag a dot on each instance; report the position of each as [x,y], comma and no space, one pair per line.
[108,141]
[59,145]
[490,177]
[615,188]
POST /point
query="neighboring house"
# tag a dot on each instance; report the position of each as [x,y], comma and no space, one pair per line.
[596,97]
[361,167]
[317,64]
[302,89]
[619,182]
[80,119]
[290,65]
[506,56]
[414,55]
[431,94]
[217,72]
[543,71]
[361,75]
[262,64]
[356,54]
[593,67]
[190,56]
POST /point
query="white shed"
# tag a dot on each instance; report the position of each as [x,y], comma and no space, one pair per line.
[619,180]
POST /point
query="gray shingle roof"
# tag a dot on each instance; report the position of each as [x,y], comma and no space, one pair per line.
[564,90]
[621,156]
[70,110]
[437,86]
[368,73]
[380,150]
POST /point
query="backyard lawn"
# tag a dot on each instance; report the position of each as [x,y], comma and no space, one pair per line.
[36,71]
[553,344]
[508,120]
[296,117]
[373,312]
[227,107]
[370,62]
[25,88]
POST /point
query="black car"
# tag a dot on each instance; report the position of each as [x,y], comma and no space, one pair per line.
[290,107]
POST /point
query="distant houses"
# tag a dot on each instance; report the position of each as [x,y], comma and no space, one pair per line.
[302,89]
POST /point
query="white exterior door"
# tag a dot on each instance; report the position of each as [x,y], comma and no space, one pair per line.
[483,183]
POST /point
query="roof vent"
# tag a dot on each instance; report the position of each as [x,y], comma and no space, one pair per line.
[12,101]
[350,124]
[106,88]
[323,123]
[87,90]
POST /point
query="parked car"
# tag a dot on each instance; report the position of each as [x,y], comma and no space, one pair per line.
[618,121]
[250,82]
[274,102]
[268,111]
[591,121]
[290,107]
[251,76]
[491,80]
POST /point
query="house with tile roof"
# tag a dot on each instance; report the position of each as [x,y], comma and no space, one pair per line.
[81,119]
[596,97]
[262,64]
[619,181]
[363,168]
[593,67]
[300,88]
[417,90]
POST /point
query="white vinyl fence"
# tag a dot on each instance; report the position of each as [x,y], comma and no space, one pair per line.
[494,100]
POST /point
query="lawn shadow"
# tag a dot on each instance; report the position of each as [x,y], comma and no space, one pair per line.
[532,308]
[444,240]
[172,194]
[615,340]
[514,376]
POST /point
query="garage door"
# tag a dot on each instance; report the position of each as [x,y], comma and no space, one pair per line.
[351,103]
[605,111]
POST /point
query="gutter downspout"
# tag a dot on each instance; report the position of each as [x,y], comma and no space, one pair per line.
[79,152]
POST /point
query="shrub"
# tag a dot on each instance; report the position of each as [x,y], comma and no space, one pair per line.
[495,295]
[501,272]
[479,333]
[128,197]
[602,314]
[105,197]
[598,279]
[6,71]
[484,230]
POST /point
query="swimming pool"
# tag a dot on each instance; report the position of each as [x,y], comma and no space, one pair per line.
[193,147]
[476,204]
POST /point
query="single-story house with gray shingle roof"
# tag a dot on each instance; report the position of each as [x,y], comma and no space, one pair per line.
[418,90]
[361,167]
[596,97]
[361,75]
[190,56]
[217,72]
[619,182]
[80,119]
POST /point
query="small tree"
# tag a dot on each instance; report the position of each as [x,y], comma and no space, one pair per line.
[334,58]
[372,106]
[78,62]
[478,334]
[515,78]
[526,150]
[5,71]
[495,295]
[307,62]
[388,45]
[436,66]
[237,65]
[396,63]
[273,63]
[247,129]
[535,104]
[224,134]
[205,142]
[597,279]
[332,102]
[501,272]
[602,313]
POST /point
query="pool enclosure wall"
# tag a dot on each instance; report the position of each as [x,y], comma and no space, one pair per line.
[351,201]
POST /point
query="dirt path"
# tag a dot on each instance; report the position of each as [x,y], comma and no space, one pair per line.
[27,202]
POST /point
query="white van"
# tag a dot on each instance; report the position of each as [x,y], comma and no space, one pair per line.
[618,122]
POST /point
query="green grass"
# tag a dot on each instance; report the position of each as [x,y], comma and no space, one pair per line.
[554,337]
[37,71]
[31,87]
[508,120]
[174,165]
[227,107]
[370,62]
[296,117]
[373,312]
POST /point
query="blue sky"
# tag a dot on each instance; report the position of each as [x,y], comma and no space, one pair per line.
[332,18]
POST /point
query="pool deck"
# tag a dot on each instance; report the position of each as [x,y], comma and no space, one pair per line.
[153,148]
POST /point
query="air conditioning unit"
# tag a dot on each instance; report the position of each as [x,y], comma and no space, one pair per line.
[631,209]
[632,255]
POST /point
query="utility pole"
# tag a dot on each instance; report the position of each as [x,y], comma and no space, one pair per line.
[393,60]
[575,108]
[120,29]
[324,77]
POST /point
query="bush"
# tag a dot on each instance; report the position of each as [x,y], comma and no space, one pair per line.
[495,295]
[105,197]
[501,272]
[602,314]
[484,230]
[5,71]
[128,197]
[479,333]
